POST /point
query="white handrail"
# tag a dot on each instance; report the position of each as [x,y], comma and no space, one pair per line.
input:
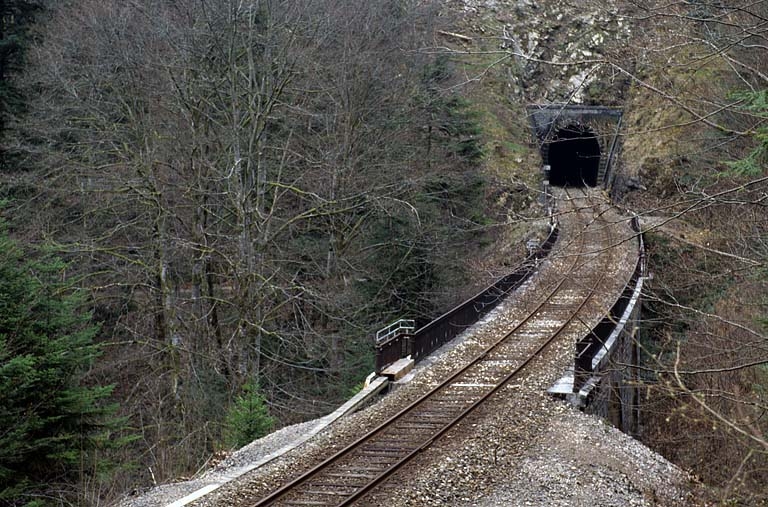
[397,328]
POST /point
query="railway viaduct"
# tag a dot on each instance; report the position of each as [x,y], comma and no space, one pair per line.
[577,145]
[568,313]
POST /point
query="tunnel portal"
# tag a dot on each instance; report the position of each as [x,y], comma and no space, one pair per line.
[574,157]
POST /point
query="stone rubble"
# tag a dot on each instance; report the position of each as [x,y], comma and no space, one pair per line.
[522,447]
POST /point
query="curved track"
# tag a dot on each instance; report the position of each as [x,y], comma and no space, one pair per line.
[583,255]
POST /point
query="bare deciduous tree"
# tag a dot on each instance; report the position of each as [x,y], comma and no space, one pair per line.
[242,188]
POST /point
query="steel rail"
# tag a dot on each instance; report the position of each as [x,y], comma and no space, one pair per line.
[427,440]
[389,471]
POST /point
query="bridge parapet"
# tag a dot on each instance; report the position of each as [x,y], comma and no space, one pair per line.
[596,384]
[443,329]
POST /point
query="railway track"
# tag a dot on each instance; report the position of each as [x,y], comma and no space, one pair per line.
[357,469]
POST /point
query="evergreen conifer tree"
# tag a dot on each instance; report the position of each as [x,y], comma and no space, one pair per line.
[248,419]
[49,420]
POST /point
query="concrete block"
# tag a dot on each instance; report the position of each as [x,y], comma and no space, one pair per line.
[398,369]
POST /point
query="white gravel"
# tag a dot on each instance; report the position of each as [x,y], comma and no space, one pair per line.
[254,452]
[520,448]
[580,461]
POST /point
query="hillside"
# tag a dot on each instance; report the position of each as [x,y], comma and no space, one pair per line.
[691,80]
[241,193]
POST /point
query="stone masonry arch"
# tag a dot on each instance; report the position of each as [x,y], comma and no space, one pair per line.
[563,130]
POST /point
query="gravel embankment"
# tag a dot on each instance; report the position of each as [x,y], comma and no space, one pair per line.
[520,448]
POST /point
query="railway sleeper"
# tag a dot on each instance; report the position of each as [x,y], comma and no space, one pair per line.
[436,414]
[353,475]
[410,443]
[478,386]
[365,467]
[444,400]
[327,493]
[348,479]
[384,451]
[442,412]
[489,375]
[393,435]
[468,383]
[470,398]
[442,421]
[324,488]
[414,434]
[418,426]
[392,456]
[463,395]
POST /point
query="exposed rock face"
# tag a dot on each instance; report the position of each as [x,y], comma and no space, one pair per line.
[561,52]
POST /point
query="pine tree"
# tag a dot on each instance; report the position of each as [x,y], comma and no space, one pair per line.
[452,123]
[248,418]
[49,420]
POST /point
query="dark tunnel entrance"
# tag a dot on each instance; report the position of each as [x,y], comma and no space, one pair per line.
[574,158]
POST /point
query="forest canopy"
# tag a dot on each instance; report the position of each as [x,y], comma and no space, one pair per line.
[244,192]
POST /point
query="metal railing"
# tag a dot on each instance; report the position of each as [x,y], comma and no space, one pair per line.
[444,328]
[392,331]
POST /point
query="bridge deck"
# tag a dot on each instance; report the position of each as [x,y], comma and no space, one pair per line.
[513,438]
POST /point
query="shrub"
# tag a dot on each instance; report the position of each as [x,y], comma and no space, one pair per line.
[248,418]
